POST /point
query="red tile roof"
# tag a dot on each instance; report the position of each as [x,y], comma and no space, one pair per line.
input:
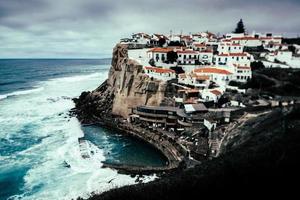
[216,92]
[242,67]
[200,45]
[161,36]
[245,38]
[160,50]
[234,54]
[187,52]
[160,70]
[212,70]
[200,77]
[206,51]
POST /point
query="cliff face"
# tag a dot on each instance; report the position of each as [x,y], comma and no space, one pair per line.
[125,88]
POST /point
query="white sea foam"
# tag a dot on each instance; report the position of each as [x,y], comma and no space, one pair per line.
[21,92]
[48,177]
[78,78]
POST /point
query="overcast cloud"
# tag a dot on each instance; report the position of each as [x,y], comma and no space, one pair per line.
[90,28]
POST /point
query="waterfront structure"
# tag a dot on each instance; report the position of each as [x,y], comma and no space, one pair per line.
[171,117]
[191,115]
[159,116]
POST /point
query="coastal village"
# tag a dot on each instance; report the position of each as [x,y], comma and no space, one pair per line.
[205,69]
[186,94]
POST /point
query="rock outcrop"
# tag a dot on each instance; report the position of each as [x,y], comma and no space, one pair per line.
[125,88]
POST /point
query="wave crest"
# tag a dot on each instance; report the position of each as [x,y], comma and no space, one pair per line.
[21,92]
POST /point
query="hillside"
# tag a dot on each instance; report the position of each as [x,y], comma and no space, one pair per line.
[264,164]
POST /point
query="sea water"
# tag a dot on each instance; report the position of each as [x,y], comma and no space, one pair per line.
[40,157]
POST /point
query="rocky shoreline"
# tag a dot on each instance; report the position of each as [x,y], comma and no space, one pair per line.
[173,152]
[105,106]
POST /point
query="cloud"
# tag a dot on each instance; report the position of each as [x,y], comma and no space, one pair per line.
[90,28]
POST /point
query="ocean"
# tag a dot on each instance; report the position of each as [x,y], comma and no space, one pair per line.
[40,156]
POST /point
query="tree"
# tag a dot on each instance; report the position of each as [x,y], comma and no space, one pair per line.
[257,65]
[162,42]
[172,56]
[240,28]
[292,49]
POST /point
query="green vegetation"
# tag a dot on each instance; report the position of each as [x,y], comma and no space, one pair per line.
[172,57]
[257,65]
[291,40]
[240,28]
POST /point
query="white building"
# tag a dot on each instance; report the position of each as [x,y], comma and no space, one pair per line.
[194,80]
[220,76]
[211,94]
[247,41]
[206,57]
[199,46]
[233,58]
[242,73]
[284,56]
[141,38]
[158,54]
[160,73]
[227,47]
[187,57]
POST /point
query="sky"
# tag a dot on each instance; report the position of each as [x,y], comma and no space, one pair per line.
[91,28]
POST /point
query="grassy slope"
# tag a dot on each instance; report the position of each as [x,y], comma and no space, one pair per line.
[285,82]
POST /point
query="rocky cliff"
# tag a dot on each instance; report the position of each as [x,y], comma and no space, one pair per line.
[126,87]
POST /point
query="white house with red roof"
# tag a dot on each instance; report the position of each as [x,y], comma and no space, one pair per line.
[228,47]
[141,38]
[233,58]
[242,73]
[192,79]
[187,57]
[247,41]
[268,38]
[243,39]
[211,94]
[154,40]
[160,73]
[158,54]
[206,56]
[220,76]
[199,46]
